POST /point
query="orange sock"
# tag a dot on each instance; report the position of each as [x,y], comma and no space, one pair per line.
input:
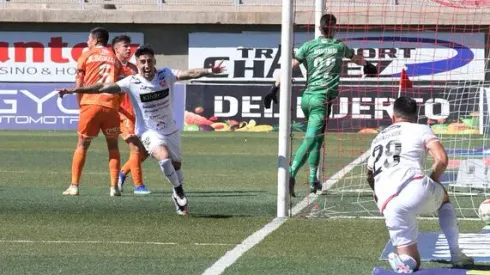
[77,166]
[127,166]
[114,164]
[137,173]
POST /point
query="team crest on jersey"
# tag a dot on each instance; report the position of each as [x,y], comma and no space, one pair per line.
[163,83]
[161,74]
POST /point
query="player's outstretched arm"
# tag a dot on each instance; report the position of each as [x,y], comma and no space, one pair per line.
[98,88]
[200,72]
[272,95]
[438,153]
[369,69]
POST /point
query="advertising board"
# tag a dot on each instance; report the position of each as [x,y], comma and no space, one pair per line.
[227,107]
[45,56]
[426,56]
[37,106]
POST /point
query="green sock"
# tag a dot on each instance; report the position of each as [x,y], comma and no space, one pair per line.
[314,158]
[299,158]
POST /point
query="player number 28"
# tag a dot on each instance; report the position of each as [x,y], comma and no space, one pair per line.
[390,153]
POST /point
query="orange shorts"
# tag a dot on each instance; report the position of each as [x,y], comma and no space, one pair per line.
[127,127]
[94,118]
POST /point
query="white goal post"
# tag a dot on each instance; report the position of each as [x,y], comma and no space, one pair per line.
[284,149]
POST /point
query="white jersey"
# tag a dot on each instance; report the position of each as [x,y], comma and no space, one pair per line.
[152,101]
[398,154]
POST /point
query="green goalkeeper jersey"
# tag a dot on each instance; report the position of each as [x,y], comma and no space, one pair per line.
[323,60]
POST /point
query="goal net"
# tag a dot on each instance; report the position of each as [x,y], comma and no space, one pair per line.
[441,46]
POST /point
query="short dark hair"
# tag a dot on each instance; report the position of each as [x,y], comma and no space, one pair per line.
[144,49]
[327,21]
[120,38]
[101,35]
[405,108]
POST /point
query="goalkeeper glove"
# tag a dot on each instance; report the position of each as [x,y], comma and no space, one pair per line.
[271,96]
[370,69]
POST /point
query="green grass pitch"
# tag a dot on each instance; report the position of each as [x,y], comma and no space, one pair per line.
[231,183]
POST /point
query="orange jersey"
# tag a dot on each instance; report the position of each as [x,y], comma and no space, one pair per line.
[99,65]
[125,108]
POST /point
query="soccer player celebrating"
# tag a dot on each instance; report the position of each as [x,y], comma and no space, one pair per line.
[150,92]
[402,190]
[122,48]
[97,111]
[323,60]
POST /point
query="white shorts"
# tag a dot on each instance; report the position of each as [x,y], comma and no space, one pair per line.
[420,196]
[152,139]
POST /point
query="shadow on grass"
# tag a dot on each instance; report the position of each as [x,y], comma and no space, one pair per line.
[218,216]
[205,194]
[208,194]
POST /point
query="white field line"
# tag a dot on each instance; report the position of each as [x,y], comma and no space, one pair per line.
[106,242]
[233,255]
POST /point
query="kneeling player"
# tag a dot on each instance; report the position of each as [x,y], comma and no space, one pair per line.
[403,191]
[150,92]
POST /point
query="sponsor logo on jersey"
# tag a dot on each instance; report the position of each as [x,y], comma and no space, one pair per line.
[157,95]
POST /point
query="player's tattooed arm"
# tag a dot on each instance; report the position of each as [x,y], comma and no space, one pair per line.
[194,73]
[197,73]
[98,88]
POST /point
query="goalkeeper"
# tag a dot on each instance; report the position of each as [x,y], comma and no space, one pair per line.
[323,59]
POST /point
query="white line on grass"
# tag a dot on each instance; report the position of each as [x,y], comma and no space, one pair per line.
[107,242]
[232,255]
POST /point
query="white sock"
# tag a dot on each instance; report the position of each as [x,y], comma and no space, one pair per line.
[449,225]
[408,260]
[169,172]
[180,175]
